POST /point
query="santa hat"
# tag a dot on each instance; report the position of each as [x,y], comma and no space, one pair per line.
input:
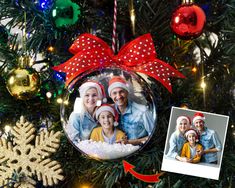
[191,131]
[180,118]
[109,108]
[198,116]
[117,81]
[93,84]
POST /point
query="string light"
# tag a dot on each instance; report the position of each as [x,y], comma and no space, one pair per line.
[59,100]
[203,84]
[132,15]
[194,69]
[50,48]
[58,76]
[85,186]
[232,126]
[49,94]
[66,102]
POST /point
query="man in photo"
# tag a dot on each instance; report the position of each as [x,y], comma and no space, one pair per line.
[134,119]
[208,138]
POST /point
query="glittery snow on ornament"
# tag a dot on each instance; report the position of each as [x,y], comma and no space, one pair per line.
[103,150]
[188,21]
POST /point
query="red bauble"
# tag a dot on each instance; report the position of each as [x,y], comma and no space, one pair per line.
[187,21]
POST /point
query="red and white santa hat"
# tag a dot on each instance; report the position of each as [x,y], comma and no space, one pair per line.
[109,108]
[198,116]
[93,84]
[117,81]
[191,131]
[180,118]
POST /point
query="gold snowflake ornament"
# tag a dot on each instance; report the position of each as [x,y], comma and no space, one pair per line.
[27,159]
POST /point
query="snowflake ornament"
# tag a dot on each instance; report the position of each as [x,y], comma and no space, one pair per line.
[29,160]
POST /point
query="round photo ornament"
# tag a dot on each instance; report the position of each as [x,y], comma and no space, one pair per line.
[112,111]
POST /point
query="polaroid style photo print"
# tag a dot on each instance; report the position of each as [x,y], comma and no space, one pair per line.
[195,143]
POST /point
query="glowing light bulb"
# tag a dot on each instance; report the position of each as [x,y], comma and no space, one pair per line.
[132,15]
[48,94]
[194,69]
[59,100]
[66,102]
[85,186]
[203,85]
[51,48]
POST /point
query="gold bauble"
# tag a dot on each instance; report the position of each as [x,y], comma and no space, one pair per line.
[23,83]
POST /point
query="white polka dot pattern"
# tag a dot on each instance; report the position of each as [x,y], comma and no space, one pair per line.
[139,56]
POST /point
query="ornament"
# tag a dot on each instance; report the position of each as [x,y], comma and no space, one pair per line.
[65,13]
[3,35]
[29,160]
[187,21]
[140,92]
[23,83]
[94,60]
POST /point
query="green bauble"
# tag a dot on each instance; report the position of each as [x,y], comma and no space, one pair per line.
[65,13]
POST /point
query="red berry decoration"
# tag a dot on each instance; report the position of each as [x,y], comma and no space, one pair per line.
[187,21]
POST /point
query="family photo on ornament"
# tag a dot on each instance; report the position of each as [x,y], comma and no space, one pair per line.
[119,122]
[196,139]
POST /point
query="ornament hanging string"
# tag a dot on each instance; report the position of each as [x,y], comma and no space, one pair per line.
[114,27]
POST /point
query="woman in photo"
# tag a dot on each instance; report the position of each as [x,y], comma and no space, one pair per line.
[81,124]
[191,148]
[107,117]
[177,138]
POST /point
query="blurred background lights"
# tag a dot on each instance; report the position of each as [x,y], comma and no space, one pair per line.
[48,94]
[203,85]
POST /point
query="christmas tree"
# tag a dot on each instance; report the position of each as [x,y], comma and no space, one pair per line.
[35,36]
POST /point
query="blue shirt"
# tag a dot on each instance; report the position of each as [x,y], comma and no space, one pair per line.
[136,122]
[177,141]
[209,139]
[80,128]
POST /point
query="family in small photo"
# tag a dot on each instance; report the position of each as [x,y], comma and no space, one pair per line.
[194,142]
[120,121]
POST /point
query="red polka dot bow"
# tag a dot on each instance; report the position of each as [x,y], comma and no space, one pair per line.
[91,53]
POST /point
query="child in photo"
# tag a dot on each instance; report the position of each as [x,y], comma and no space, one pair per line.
[191,148]
[106,132]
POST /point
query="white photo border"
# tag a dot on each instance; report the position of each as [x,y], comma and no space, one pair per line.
[203,170]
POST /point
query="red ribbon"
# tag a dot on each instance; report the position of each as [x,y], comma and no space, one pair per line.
[91,53]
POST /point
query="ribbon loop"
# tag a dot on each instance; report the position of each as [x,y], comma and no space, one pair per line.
[138,51]
[88,42]
[139,55]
